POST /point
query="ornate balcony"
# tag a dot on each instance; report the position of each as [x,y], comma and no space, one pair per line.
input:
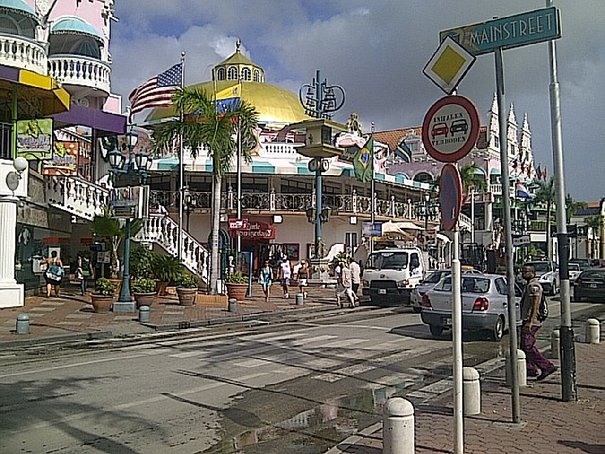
[76,196]
[81,71]
[22,53]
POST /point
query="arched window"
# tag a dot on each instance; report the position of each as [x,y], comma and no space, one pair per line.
[14,25]
[246,74]
[423,177]
[220,74]
[256,75]
[232,73]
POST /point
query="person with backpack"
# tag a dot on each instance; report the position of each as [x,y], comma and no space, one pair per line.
[54,274]
[534,311]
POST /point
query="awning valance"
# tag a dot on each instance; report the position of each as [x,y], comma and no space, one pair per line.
[104,122]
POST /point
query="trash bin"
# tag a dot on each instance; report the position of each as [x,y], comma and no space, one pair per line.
[300,299]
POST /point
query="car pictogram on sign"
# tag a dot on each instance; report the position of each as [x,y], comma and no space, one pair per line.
[458,126]
[439,129]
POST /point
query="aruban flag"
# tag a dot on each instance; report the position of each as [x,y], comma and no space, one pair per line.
[363,162]
[157,91]
[403,151]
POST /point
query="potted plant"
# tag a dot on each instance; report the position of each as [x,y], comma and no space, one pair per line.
[103,296]
[167,270]
[237,285]
[186,289]
[143,290]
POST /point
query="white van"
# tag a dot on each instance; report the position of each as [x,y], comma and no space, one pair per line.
[389,275]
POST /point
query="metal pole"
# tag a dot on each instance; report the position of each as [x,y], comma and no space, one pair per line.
[510,272]
[372,196]
[125,290]
[457,345]
[568,356]
[318,208]
[181,171]
[473,214]
[238,238]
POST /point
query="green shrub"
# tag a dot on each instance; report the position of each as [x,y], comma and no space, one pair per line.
[141,262]
[105,287]
[236,277]
[166,268]
[187,281]
[143,285]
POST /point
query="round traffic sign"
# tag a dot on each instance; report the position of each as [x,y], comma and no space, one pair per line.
[450,196]
[450,128]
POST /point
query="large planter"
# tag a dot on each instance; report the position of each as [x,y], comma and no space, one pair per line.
[237,291]
[144,299]
[118,284]
[160,288]
[186,296]
[101,303]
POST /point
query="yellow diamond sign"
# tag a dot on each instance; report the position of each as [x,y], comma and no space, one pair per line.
[448,65]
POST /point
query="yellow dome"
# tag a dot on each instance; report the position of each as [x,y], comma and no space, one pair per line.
[276,106]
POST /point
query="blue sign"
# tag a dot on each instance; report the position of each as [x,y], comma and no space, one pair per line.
[507,32]
[450,196]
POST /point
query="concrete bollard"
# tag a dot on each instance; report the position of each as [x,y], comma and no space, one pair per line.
[521,369]
[398,427]
[593,331]
[22,324]
[555,343]
[300,299]
[232,305]
[471,390]
[144,313]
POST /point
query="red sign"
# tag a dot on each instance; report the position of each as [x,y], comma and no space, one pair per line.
[450,196]
[258,230]
[239,224]
[450,128]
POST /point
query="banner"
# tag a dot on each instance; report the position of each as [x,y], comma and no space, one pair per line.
[64,161]
[34,139]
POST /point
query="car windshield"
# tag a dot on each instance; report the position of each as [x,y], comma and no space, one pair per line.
[540,267]
[592,274]
[435,277]
[388,260]
[583,264]
[469,284]
[574,267]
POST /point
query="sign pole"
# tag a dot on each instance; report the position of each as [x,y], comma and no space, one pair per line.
[457,344]
[568,354]
[510,272]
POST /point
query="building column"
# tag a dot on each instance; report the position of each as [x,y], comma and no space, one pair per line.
[11,293]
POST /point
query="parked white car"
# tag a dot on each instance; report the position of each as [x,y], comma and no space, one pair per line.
[574,271]
[484,305]
[428,283]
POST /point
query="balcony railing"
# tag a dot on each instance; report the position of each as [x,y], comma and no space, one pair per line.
[78,70]
[352,204]
[22,53]
[76,196]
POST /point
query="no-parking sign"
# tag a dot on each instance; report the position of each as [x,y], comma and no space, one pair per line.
[450,196]
[450,128]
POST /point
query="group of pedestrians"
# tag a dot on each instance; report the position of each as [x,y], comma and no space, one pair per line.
[348,279]
[284,273]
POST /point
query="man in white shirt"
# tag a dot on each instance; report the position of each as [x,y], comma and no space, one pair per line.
[355,277]
[285,274]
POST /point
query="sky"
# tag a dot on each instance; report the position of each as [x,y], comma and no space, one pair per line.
[376,50]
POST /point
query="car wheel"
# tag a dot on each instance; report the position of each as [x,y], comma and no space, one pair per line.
[436,331]
[417,309]
[498,330]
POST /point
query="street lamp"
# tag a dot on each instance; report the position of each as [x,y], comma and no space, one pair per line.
[190,206]
[134,165]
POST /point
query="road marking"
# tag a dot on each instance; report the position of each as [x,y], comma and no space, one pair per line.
[345,343]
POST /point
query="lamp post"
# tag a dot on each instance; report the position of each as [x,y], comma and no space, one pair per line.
[135,165]
[190,206]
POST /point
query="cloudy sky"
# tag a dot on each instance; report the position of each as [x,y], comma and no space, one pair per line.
[376,51]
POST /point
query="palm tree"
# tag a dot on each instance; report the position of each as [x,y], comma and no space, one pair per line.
[204,125]
[594,223]
[472,179]
[546,194]
[572,207]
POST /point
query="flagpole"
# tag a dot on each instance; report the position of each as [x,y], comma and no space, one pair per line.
[372,197]
[181,169]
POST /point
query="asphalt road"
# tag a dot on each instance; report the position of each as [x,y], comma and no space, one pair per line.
[293,387]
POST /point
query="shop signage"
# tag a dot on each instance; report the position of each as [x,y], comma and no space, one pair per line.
[258,230]
[239,224]
[64,161]
[34,139]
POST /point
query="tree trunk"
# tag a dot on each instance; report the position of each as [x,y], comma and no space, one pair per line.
[214,243]
[548,233]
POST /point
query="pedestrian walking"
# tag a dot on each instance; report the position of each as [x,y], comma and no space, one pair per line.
[285,274]
[265,279]
[54,274]
[355,277]
[344,288]
[302,275]
[537,365]
[83,273]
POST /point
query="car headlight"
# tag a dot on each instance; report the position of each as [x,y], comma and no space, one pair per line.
[403,284]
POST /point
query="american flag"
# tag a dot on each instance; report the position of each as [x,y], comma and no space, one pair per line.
[157,91]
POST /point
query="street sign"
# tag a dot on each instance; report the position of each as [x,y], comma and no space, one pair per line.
[450,128]
[448,65]
[450,196]
[520,240]
[513,31]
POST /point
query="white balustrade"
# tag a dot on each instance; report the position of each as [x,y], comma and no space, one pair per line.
[79,70]
[22,53]
[76,196]
[464,221]
[163,231]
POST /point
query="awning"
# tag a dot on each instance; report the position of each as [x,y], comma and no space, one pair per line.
[75,25]
[93,118]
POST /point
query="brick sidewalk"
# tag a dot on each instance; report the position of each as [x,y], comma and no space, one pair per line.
[73,314]
[548,424]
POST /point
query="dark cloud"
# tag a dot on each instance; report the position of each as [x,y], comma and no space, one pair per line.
[376,51]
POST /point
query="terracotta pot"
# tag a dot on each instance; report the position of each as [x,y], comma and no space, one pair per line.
[186,296]
[160,288]
[101,303]
[144,299]
[237,291]
[118,284]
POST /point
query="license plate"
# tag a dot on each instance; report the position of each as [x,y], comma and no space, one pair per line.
[382,291]
[593,285]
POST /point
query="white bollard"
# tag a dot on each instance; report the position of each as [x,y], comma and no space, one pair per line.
[398,427]
[593,331]
[521,369]
[471,391]
[555,343]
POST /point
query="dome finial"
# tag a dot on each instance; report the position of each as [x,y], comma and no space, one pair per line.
[238,43]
